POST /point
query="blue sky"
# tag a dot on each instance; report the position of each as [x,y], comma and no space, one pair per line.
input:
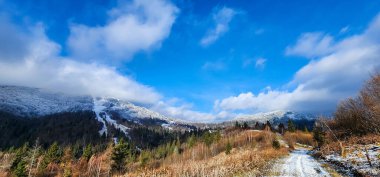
[196,60]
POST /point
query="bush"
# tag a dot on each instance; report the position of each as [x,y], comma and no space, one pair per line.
[276,144]
[299,137]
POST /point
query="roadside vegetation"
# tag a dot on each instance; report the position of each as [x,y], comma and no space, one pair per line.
[351,139]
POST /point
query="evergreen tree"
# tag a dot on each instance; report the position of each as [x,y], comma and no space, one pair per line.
[228,148]
[191,141]
[119,156]
[20,170]
[18,166]
[237,125]
[54,153]
[318,135]
[87,153]
[306,130]
[291,126]
[245,125]
[77,151]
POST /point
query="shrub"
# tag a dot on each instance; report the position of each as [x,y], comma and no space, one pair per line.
[276,144]
[299,137]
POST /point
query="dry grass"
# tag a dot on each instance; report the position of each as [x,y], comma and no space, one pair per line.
[333,145]
[299,137]
[251,153]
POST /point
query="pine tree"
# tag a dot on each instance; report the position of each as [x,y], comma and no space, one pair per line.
[228,148]
[87,153]
[191,141]
[291,126]
[20,155]
[119,156]
[18,166]
[54,153]
[306,130]
[237,125]
[245,125]
[20,170]
[319,136]
[77,151]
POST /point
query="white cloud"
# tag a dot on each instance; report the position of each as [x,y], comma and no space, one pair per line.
[215,66]
[311,45]
[222,18]
[344,29]
[260,63]
[185,112]
[141,25]
[324,81]
[42,67]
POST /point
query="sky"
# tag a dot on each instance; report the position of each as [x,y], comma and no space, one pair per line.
[204,61]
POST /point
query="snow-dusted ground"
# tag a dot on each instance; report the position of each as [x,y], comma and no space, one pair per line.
[356,159]
[299,164]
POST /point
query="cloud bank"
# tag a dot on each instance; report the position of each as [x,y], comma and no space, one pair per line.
[32,59]
[42,67]
[336,71]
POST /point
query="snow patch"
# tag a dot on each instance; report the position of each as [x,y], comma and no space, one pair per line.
[356,159]
[300,163]
[102,116]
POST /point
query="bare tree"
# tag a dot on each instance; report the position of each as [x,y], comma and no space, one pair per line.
[35,149]
[361,115]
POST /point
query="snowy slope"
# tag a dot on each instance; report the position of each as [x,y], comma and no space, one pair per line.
[102,116]
[271,116]
[103,107]
[25,101]
[129,110]
[34,102]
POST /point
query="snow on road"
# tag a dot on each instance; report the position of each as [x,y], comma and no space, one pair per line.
[299,164]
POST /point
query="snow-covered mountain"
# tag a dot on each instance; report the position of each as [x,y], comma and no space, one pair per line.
[275,118]
[108,110]
[34,102]
[275,115]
